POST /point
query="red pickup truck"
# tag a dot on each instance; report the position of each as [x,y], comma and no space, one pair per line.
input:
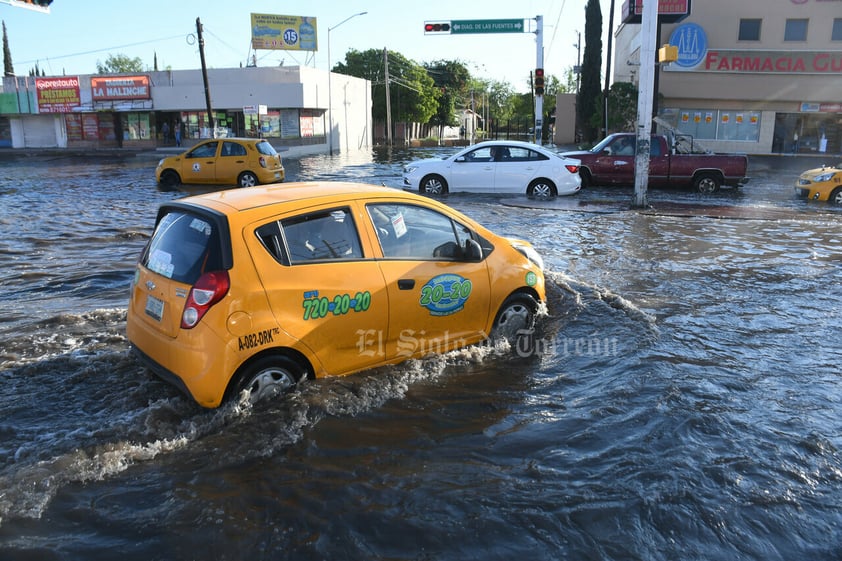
[674,161]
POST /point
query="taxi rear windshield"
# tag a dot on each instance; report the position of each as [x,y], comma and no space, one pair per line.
[266,149]
[183,247]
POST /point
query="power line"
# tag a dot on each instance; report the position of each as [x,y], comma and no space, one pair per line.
[105,49]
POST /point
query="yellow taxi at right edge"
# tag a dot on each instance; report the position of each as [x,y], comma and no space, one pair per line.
[821,184]
[258,289]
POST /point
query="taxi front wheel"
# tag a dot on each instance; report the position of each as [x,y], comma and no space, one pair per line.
[516,318]
[270,376]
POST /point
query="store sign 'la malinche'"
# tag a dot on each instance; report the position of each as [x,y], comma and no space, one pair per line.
[120,88]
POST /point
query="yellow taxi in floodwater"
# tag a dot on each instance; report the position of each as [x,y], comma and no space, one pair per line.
[245,162]
[821,184]
[258,289]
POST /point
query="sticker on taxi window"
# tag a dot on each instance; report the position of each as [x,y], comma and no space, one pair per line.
[399,225]
[316,307]
[445,294]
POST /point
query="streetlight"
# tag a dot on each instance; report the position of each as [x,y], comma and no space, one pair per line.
[329,96]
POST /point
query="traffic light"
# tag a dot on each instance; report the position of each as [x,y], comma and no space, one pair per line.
[436,27]
[539,81]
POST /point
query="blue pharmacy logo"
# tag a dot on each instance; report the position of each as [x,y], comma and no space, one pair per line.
[692,43]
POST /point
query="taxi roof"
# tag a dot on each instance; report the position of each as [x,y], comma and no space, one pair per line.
[306,193]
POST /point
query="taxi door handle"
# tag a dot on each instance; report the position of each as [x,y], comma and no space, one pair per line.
[406,284]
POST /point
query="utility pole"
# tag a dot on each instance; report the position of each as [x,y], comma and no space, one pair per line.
[608,70]
[205,76]
[539,64]
[648,32]
[578,67]
[388,99]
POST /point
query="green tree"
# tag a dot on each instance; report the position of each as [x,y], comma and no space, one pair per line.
[8,69]
[413,95]
[119,64]
[589,100]
[622,107]
[451,78]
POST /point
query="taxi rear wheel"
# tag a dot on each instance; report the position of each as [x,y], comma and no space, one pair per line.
[247,179]
[269,377]
[516,318]
[836,196]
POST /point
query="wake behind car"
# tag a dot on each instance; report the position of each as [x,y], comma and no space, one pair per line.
[496,166]
[821,184]
[245,162]
[258,289]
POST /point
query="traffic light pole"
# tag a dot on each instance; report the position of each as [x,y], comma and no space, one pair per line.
[539,64]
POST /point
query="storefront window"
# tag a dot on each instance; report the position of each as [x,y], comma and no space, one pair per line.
[197,125]
[136,126]
[283,123]
[712,124]
[290,126]
[5,132]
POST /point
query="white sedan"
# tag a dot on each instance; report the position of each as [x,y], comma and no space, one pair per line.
[496,166]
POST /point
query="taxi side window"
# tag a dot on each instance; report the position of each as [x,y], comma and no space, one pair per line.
[326,235]
[233,149]
[204,151]
[412,232]
[322,235]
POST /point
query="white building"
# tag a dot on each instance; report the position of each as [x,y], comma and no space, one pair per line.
[289,106]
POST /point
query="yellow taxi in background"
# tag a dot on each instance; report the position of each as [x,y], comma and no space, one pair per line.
[258,289]
[245,162]
[821,184]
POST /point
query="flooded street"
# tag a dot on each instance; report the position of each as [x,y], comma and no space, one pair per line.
[684,401]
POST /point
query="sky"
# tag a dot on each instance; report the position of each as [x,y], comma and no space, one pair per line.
[77,34]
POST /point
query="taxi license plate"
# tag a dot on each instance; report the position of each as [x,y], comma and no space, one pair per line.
[154,307]
[277,175]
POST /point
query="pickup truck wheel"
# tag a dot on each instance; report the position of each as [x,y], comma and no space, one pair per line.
[542,189]
[836,196]
[433,185]
[587,181]
[707,183]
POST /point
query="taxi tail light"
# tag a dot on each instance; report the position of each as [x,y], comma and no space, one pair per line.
[572,168]
[262,161]
[208,290]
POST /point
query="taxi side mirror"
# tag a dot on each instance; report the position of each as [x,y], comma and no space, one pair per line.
[473,251]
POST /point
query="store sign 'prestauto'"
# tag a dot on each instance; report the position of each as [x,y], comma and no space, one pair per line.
[57,95]
[120,88]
